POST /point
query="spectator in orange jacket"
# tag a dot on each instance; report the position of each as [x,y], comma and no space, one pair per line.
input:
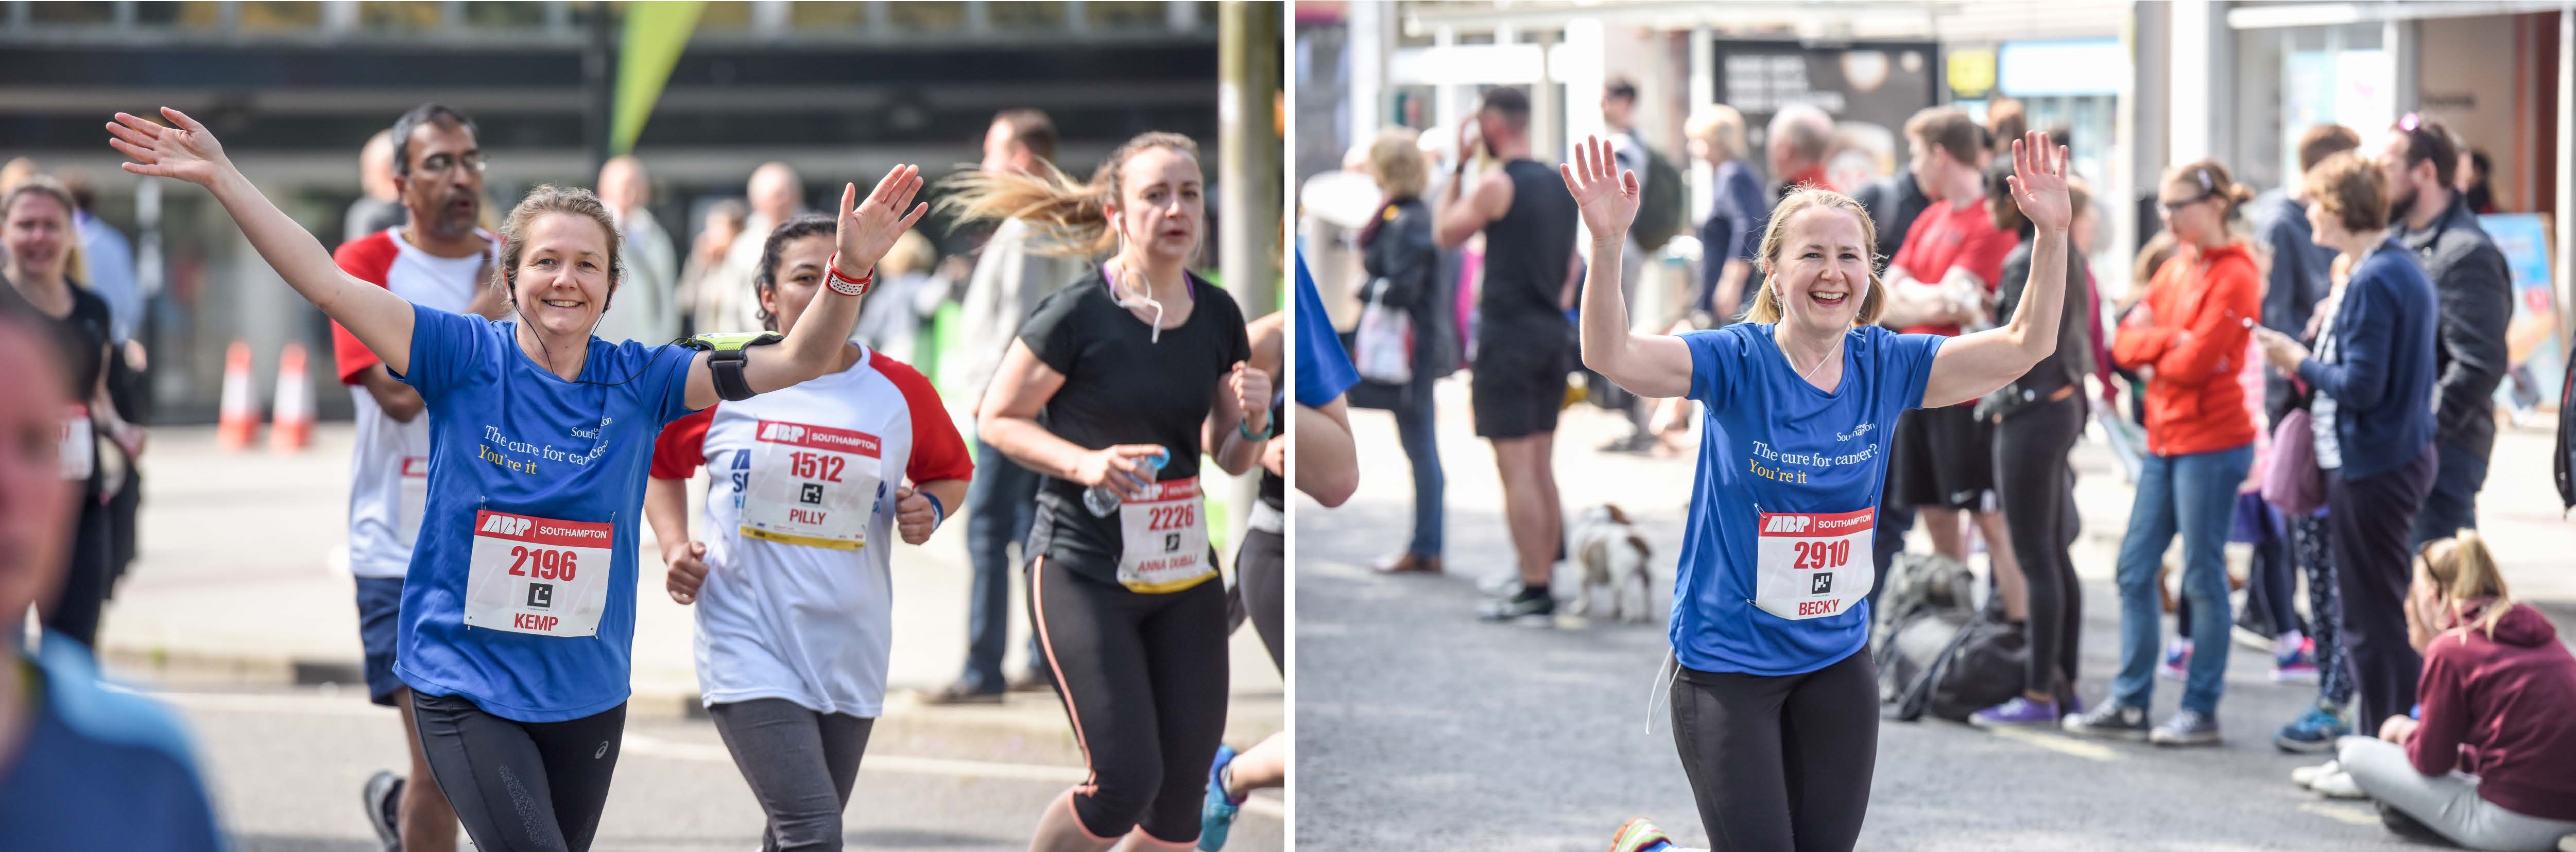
[2188,338]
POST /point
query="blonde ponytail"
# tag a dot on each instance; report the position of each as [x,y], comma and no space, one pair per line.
[1071,218]
[2464,570]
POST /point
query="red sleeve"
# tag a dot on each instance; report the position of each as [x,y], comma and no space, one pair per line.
[937,451]
[366,258]
[2134,345]
[1904,258]
[1983,255]
[2435,747]
[2218,332]
[682,445]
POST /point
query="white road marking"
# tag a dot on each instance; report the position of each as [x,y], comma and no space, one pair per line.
[2059,744]
[2340,813]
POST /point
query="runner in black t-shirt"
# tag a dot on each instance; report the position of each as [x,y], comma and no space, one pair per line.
[1524,346]
[1138,358]
[36,227]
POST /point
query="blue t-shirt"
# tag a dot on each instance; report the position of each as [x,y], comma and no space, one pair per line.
[102,767]
[1775,442]
[1323,370]
[508,436]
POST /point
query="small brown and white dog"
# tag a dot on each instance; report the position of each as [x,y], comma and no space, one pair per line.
[1610,553]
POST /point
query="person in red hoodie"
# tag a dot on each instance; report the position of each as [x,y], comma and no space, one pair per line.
[2187,337]
[2487,766]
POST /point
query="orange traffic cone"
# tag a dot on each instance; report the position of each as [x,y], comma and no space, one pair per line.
[290,424]
[239,419]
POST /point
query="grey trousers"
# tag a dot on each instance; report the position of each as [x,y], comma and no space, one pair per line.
[2448,804]
[800,764]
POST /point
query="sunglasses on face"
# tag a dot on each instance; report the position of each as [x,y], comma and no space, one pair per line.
[2173,207]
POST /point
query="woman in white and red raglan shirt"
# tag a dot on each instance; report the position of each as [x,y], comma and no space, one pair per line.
[792,579]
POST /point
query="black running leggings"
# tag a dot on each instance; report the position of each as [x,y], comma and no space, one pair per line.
[800,764]
[1780,763]
[1143,677]
[520,786]
[2038,496]
[1260,575]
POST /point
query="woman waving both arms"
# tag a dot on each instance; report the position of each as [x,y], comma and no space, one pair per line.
[518,612]
[1770,619]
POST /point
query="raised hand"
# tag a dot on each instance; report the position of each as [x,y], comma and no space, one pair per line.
[2039,182]
[183,149]
[1609,196]
[870,228]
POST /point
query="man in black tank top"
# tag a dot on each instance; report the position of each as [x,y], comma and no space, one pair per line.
[1524,345]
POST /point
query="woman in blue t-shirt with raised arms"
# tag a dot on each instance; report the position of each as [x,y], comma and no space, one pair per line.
[519,610]
[1775,704]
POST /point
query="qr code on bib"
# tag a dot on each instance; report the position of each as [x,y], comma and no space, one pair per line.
[1823,584]
[1171,542]
[541,596]
[812,495]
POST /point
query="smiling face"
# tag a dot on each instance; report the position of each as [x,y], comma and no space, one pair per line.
[799,275]
[1821,273]
[562,281]
[37,231]
[1160,208]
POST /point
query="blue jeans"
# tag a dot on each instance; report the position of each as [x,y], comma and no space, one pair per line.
[2452,505]
[1001,503]
[2194,495]
[1415,428]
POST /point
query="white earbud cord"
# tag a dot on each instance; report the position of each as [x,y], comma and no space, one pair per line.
[1665,674]
[1122,300]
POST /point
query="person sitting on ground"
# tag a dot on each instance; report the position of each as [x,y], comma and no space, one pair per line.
[2484,765]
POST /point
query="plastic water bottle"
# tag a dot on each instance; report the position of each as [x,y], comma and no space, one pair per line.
[1101,500]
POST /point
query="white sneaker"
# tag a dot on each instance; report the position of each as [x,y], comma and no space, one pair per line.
[2337,785]
[2306,776]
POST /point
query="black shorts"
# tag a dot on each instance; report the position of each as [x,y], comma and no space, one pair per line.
[1518,386]
[1943,459]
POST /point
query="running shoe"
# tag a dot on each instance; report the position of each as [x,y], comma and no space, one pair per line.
[2337,785]
[2294,659]
[383,795]
[2177,661]
[2109,721]
[1528,608]
[2018,712]
[1218,815]
[2186,728]
[1639,835]
[2306,776]
[2313,732]
[960,693]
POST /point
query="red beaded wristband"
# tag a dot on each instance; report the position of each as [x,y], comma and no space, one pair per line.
[856,286]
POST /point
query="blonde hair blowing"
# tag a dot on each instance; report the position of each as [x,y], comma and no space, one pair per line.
[1071,218]
[1766,302]
[2464,570]
[1722,128]
[1396,160]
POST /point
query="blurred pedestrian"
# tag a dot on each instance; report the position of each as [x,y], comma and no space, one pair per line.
[109,258]
[2037,418]
[1735,214]
[1618,108]
[2372,372]
[2475,289]
[645,309]
[909,290]
[725,302]
[2485,764]
[36,232]
[379,205]
[1012,275]
[1942,281]
[2187,336]
[83,764]
[2474,190]
[1524,345]
[1796,144]
[716,232]
[2007,120]
[1404,264]
[1327,470]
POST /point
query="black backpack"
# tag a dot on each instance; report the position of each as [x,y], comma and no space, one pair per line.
[1659,213]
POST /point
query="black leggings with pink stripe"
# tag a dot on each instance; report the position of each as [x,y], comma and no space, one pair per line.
[1143,677]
